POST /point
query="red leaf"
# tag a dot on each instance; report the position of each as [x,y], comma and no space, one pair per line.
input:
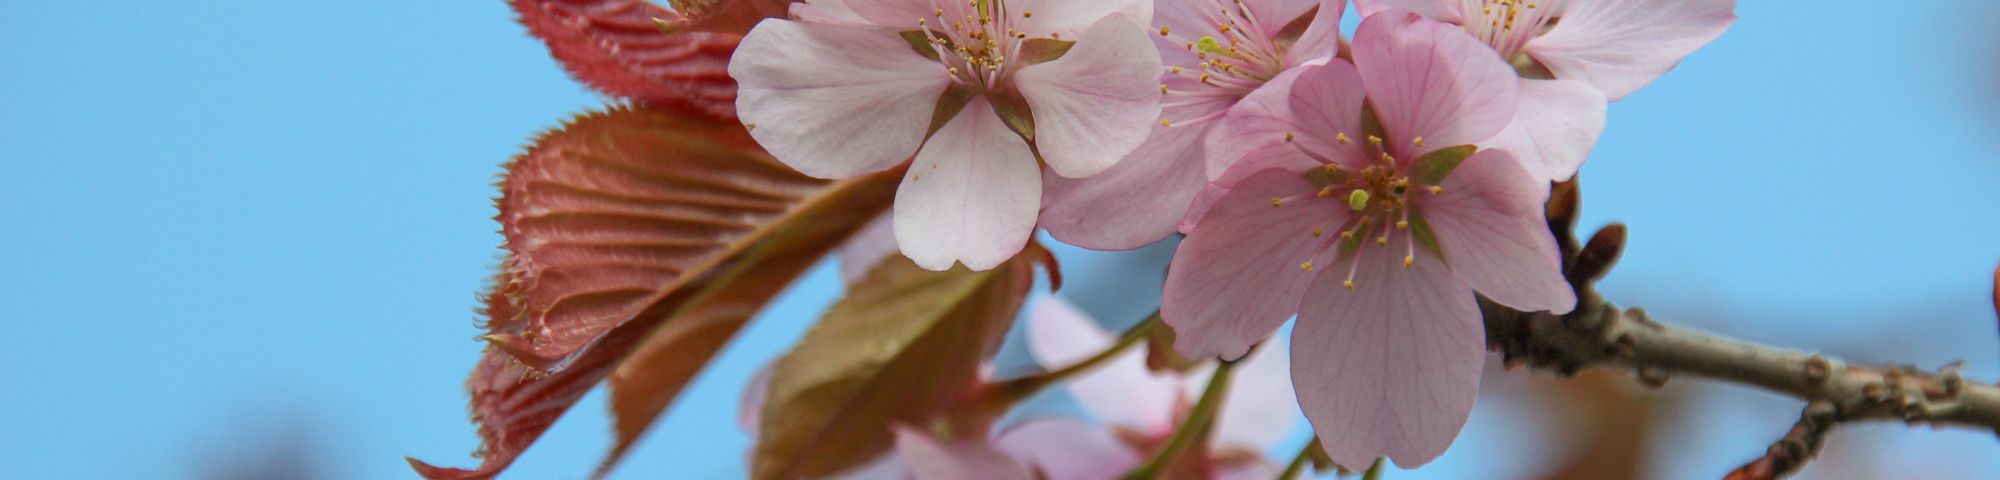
[617,223]
[615,47]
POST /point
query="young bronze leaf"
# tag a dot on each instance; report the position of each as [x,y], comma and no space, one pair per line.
[615,223]
[903,346]
[616,47]
[647,382]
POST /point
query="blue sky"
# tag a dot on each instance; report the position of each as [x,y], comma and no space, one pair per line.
[231,222]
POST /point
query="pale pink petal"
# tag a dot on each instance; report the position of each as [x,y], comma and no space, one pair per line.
[1431,80]
[1389,368]
[1371,7]
[1322,36]
[750,408]
[1067,449]
[1134,203]
[1260,409]
[1449,11]
[1098,102]
[1121,392]
[1621,45]
[1239,275]
[971,195]
[1071,19]
[1203,200]
[1489,223]
[1326,104]
[932,458]
[902,15]
[1255,127]
[829,11]
[868,247]
[1274,15]
[833,101]
[1554,129]
[889,466]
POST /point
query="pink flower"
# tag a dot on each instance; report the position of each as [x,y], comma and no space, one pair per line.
[979,92]
[1258,410]
[1375,228]
[1594,50]
[1216,52]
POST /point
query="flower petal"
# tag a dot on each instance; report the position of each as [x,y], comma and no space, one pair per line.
[1449,11]
[889,466]
[868,247]
[1326,105]
[1391,367]
[1098,102]
[1322,36]
[829,11]
[971,195]
[833,101]
[1238,276]
[1554,129]
[1489,223]
[1134,203]
[932,458]
[1071,19]
[1121,392]
[1260,409]
[1068,449]
[1431,80]
[902,15]
[1255,127]
[1621,45]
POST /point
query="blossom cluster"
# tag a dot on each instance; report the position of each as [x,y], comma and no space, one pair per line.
[1366,183]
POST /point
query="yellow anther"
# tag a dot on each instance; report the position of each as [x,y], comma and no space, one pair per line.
[1317,232]
[1407,260]
[1374,139]
[1027,14]
[1340,137]
[1382,240]
[1307,265]
[1275,201]
[1347,235]
[1349,284]
[1402,225]
[1222,28]
[1436,189]
[953,70]
[1289,136]
[1163,31]
[1419,141]
[1323,193]
[1163,89]
[1174,69]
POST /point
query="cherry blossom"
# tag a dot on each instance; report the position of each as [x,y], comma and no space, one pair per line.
[980,93]
[1216,52]
[1258,411]
[1574,56]
[1374,229]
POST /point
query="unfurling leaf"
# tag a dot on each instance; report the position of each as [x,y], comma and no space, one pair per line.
[623,221]
[904,345]
[616,47]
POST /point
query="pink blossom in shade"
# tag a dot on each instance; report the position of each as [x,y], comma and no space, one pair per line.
[1611,46]
[1375,246]
[1216,52]
[976,95]
[1258,410]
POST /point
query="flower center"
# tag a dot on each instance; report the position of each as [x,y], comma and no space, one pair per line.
[1507,25]
[1381,190]
[1235,54]
[977,45]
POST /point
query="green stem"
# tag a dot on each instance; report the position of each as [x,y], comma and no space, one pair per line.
[1299,462]
[1016,390]
[1375,472]
[1191,429]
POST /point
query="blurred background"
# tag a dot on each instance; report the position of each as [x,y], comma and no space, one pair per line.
[240,240]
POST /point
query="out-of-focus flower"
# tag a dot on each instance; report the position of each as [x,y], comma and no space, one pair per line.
[980,92]
[1216,52]
[1375,229]
[1593,50]
[1145,407]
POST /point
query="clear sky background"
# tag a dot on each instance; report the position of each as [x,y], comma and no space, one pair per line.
[243,235]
